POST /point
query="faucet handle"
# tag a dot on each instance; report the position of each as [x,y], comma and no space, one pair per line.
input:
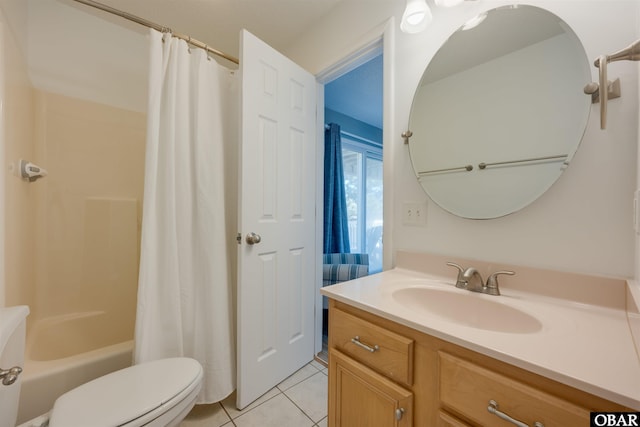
[492,281]
[460,282]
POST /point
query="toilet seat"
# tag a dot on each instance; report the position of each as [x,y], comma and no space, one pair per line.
[133,396]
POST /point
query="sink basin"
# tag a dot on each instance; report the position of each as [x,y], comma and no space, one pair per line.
[467,309]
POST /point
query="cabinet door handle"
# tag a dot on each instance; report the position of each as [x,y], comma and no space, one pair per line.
[493,408]
[399,413]
[356,341]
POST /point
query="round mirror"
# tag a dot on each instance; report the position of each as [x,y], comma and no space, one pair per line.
[499,112]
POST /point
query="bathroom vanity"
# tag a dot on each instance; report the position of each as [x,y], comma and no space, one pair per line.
[537,358]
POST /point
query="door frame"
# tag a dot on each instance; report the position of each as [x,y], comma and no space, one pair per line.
[381,42]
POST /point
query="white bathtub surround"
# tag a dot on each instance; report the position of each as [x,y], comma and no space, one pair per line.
[60,337]
[110,245]
[185,293]
[584,320]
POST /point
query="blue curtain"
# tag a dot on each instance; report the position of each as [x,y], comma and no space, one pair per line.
[336,230]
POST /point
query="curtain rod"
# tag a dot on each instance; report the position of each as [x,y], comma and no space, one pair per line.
[157,27]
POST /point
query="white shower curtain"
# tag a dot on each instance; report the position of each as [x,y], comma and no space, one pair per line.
[185,301]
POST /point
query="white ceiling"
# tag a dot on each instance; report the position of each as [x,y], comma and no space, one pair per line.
[83,52]
[214,22]
[277,22]
[218,22]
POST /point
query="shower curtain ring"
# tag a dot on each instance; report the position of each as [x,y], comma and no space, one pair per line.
[206,50]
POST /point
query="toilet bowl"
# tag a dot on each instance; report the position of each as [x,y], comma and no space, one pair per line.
[154,394]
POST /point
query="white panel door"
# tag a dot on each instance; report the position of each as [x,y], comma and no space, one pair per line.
[277,202]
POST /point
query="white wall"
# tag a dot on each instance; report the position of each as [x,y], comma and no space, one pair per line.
[637,246]
[584,222]
[17,110]
[3,199]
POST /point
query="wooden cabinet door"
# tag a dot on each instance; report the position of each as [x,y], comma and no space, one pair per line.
[446,420]
[360,397]
[467,389]
[393,357]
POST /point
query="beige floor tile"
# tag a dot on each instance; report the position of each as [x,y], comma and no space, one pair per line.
[276,412]
[310,395]
[230,403]
[206,416]
[300,375]
[319,366]
[304,404]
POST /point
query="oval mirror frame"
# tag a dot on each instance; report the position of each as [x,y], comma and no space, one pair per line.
[499,112]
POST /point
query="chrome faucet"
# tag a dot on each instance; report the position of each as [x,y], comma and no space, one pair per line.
[492,282]
[460,282]
[471,280]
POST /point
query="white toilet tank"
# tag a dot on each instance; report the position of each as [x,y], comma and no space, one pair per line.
[12,344]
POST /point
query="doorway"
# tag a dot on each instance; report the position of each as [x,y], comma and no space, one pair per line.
[353,99]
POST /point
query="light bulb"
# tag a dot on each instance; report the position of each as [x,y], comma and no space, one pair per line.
[416,16]
[448,3]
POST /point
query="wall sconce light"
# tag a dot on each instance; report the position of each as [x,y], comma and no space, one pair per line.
[448,3]
[416,16]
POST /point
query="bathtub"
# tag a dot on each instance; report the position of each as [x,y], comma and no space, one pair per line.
[66,351]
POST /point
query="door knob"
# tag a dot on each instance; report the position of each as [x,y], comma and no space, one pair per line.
[253,238]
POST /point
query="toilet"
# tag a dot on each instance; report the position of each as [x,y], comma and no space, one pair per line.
[155,394]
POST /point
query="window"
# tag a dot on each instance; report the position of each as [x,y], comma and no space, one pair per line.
[362,163]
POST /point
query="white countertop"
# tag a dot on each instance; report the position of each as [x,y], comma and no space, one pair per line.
[585,346]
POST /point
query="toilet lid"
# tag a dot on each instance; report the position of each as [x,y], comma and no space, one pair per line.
[122,396]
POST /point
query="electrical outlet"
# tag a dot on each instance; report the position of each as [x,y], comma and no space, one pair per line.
[408,213]
[421,213]
[414,213]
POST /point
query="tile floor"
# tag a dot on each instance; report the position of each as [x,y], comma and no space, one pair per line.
[300,401]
